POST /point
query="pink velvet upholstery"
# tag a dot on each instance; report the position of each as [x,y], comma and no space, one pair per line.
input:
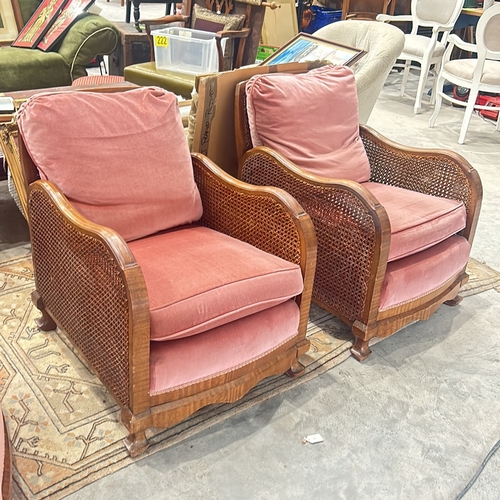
[137,157]
[228,279]
[178,363]
[412,277]
[293,115]
[418,221]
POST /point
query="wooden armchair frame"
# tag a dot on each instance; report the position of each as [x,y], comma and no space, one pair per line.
[6,477]
[89,285]
[367,9]
[353,229]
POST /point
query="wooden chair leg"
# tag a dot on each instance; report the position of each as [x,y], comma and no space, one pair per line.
[360,350]
[45,322]
[295,370]
[136,443]
[455,301]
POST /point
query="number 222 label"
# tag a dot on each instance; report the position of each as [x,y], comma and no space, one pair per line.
[161,41]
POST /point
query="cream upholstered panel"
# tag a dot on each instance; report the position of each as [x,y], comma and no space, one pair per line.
[491,35]
[383,44]
[464,68]
[441,11]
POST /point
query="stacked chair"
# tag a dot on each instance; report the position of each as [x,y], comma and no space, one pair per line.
[179,285]
[477,74]
[426,51]
[394,224]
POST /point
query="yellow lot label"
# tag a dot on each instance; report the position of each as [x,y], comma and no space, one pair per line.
[161,41]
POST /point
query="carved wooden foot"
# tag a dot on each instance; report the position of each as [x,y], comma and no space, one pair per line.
[455,301]
[45,322]
[295,370]
[136,443]
[360,350]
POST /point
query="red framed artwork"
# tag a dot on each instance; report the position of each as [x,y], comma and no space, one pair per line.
[68,15]
[39,23]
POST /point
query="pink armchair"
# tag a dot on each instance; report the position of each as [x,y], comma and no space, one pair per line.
[394,224]
[180,286]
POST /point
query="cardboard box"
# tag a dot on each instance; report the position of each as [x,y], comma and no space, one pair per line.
[213,133]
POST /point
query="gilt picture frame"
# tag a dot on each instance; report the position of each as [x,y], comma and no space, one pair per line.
[39,23]
[307,48]
[10,21]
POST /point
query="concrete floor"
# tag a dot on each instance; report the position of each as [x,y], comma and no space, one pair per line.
[414,421]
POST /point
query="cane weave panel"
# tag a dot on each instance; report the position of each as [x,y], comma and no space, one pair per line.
[255,219]
[344,229]
[433,174]
[90,300]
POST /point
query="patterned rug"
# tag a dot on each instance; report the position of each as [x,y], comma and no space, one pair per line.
[63,425]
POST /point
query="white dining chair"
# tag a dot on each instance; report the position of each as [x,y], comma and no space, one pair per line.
[440,16]
[479,74]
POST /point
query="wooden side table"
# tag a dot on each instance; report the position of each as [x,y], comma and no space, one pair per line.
[132,48]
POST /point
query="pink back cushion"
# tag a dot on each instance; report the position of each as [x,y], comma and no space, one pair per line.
[310,118]
[121,159]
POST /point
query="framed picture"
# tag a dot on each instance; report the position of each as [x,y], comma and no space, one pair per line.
[69,13]
[304,48]
[39,23]
[10,21]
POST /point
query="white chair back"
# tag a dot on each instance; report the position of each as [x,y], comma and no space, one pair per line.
[436,12]
[488,34]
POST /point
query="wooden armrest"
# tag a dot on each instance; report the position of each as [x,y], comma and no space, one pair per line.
[175,18]
[437,172]
[461,44]
[243,33]
[351,226]
[266,217]
[6,461]
[93,288]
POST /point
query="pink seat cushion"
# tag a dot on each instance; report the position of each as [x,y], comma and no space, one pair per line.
[178,363]
[311,119]
[418,220]
[414,276]
[120,158]
[198,279]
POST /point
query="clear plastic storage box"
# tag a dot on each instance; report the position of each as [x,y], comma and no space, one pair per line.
[185,50]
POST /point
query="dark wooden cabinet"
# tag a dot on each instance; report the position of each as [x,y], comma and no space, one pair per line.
[132,48]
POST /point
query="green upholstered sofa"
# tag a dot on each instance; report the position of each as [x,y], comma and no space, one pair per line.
[24,69]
